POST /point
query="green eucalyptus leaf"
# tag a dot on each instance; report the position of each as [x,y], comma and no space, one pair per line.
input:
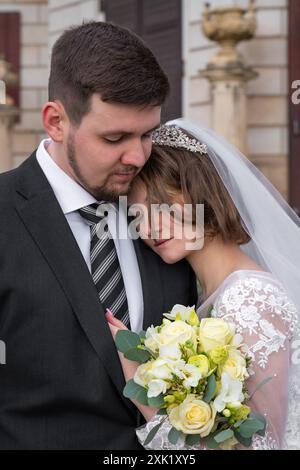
[156,402]
[245,441]
[174,435]
[261,384]
[162,411]
[126,340]
[210,441]
[250,426]
[137,355]
[135,392]
[192,439]
[261,418]
[152,433]
[223,435]
[210,388]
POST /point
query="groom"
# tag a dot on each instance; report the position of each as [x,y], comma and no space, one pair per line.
[61,386]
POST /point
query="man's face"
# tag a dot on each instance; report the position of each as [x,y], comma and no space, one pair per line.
[111,145]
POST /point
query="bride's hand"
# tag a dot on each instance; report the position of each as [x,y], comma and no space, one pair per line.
[114,324]
[129,367]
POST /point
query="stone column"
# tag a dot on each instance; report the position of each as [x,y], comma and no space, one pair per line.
[8,114]
[7,118]
[227,71]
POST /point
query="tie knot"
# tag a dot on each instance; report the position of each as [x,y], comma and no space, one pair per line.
[93,213]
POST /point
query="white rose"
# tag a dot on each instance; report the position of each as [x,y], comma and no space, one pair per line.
[215,332]
[170,351]
[178,332]
[235,365]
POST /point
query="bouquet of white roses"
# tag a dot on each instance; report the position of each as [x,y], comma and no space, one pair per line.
[195,373]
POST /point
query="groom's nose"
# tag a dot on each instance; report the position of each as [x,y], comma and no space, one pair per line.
[135,154]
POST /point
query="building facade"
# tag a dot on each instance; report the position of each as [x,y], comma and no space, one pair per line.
[172,28]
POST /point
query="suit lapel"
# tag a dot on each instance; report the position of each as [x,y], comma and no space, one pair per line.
[44,219]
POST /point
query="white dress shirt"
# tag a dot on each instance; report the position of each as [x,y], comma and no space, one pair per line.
[71,197]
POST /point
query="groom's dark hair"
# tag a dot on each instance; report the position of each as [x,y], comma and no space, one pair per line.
[106,59]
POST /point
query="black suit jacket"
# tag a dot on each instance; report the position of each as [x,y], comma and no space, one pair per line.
[61,386]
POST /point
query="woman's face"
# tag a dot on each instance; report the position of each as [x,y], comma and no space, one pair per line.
[169,234]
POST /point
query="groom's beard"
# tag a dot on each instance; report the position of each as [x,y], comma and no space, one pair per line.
[101,193]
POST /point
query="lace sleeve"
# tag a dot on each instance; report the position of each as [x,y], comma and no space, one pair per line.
[266,319]
[160,440]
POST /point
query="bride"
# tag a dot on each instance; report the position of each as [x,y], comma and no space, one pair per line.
[248,267]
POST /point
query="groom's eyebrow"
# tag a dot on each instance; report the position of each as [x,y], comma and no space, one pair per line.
[122,132]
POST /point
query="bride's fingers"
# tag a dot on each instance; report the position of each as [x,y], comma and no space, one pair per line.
[114,321]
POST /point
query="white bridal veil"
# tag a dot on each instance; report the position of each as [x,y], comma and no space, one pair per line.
[273,226]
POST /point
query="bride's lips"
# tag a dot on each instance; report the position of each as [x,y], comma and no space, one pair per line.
[158,243]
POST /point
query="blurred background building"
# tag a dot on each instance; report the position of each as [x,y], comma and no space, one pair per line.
[258,106]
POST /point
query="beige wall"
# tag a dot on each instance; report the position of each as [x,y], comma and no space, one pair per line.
[33,75]
[267,95]
[65,13]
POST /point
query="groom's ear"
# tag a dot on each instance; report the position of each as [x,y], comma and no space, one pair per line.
[55,120]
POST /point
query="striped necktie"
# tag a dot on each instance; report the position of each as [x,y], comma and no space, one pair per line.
[105,267]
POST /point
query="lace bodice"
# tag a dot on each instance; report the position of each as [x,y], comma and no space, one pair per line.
[268,321]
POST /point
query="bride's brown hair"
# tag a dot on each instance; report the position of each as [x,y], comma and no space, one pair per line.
[173,171]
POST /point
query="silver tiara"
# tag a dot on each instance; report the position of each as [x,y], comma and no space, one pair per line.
[173,136]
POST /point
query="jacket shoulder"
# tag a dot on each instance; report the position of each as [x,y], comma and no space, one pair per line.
[9,178]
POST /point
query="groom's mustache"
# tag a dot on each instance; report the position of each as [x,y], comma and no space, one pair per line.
[127,170]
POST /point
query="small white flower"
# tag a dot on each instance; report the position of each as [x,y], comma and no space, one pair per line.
[180,311]
[156,387]
[192,375]
[231,392]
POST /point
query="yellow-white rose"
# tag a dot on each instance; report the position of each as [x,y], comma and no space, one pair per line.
[235,365]
[193,416]
[215,332]
[177,332]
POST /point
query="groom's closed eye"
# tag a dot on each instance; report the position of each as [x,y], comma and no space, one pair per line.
[116,140]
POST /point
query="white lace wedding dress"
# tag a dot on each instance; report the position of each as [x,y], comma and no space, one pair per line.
[258,305]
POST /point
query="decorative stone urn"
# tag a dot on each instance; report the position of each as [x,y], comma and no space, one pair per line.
[228,26]
[227,71]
